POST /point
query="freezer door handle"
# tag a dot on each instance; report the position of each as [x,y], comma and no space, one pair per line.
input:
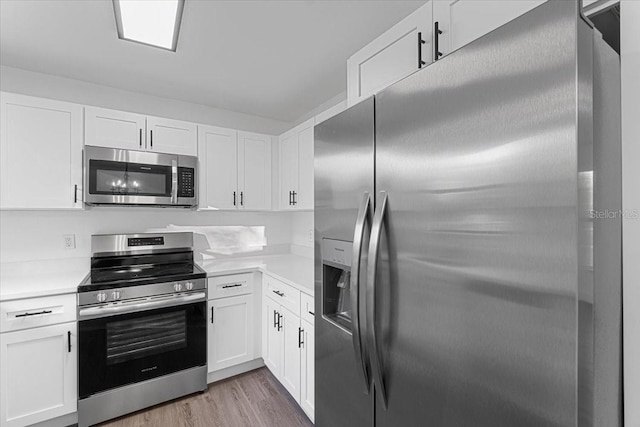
[364,217]
[372,267]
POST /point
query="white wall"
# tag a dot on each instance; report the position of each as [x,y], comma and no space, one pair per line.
[37,235]
[630,66]
[81,92]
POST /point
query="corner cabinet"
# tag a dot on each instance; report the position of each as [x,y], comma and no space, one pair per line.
[400,51]
[287,340]
[131,131]
[235,169]
[296,167]
[40,153]
[38,360]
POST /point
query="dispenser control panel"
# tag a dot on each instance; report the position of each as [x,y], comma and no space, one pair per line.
[337,251]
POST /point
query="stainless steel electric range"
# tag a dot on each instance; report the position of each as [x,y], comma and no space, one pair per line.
[141,325]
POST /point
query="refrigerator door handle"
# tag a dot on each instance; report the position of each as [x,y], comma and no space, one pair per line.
[372,267]
[364,217]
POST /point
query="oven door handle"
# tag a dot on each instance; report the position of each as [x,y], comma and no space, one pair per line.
[95,312]
[174,181]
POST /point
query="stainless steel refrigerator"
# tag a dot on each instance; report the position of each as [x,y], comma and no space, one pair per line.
[468,268]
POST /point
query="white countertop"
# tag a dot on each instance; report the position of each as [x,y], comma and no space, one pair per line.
[55,277]
[41,278]
[294,270]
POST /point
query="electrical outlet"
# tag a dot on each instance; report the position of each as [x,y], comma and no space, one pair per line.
[69,241]
[311,235]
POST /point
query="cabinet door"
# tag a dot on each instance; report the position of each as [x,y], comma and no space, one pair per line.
[38,374]
[288,169]
[292,335]
[254,171]
[231,332]
[272,340]
[40,153]
[218,156]
[171,136]
[460,23]
[394,55]
[114,129]
[307,370]
[304,196]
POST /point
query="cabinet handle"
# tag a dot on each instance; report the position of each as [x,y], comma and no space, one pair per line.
[420,43]
[140,137]
[275,317]
[212,315]
[69,341]
[151,133]
[295,201]
[234,198]
[34,314]
[242,198]
[300,337]
[312,313]
[436,34]
[279,321]
[75,193]
[289,198]
[280,294]
[235,285]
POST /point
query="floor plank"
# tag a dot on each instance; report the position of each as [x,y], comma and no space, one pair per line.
[252,399]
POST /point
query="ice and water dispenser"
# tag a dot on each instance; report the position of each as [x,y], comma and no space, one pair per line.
[336,276]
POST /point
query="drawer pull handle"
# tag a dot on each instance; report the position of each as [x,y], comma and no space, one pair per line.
[280,294]
[312,313]
[69,341]
[34,314]
[232,286]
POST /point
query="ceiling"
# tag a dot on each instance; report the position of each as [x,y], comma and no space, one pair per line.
[275,59]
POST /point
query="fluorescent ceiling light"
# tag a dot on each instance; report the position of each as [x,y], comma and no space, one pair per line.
[151,22]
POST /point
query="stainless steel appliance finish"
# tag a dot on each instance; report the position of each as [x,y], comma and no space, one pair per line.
[127,399]
[492,294]
[175,177]
[141,324]
[343,174]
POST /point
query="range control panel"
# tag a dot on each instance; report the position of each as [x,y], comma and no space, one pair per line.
[145,241]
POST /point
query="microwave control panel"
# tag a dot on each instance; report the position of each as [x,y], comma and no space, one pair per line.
[186,182]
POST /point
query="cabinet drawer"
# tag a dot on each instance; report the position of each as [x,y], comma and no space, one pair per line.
[283,294]
[227,286]
[306,307]
[34,312]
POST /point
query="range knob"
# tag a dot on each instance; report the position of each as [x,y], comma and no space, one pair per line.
[115,295]
[177,287]
[101,296]
[188,285]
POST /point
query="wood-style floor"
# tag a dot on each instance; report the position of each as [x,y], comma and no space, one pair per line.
[252,399]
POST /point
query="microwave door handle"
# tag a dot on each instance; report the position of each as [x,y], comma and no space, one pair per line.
[174,181]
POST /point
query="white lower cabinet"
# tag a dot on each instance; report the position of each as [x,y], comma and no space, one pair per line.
[288,342]
[38,374]
[231,332]
[307,376]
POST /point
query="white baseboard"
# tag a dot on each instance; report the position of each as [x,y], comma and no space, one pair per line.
[63,421]
[234,370]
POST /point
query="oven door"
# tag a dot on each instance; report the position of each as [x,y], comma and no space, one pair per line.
[122,349]
[114,176]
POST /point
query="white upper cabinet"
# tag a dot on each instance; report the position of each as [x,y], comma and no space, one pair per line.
[40,153]
[462,21]
[235,169]
[218,157]
[400,51]
[296,168]
[254,171]
[130,131]
[172,136]
[114,129]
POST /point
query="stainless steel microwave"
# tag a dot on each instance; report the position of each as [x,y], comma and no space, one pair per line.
[125,177]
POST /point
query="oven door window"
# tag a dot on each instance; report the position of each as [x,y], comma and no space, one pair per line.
[129,179]
[125,349]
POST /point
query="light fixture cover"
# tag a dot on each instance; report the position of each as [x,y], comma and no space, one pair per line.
[151,22]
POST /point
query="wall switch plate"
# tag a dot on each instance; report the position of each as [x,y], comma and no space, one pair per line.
[311,235]
[69,241]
